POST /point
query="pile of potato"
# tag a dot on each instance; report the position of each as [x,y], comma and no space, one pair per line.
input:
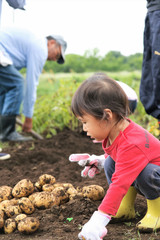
[20,201]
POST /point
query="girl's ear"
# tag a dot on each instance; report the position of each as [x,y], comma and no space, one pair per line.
[108,114]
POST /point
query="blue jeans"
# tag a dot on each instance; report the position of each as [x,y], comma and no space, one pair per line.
[147,183]
[11,90]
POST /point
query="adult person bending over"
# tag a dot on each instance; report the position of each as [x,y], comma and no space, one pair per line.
[22,48]
[20,5]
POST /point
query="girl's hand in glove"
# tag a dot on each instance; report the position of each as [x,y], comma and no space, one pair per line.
[95,229]
[93,164]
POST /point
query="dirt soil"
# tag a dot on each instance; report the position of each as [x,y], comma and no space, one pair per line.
[30,160]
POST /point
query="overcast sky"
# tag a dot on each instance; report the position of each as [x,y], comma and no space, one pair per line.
[109,25]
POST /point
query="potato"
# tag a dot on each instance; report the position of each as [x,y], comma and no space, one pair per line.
[5,193]
[94,192]
[61,194]
[28,225]
[9,225]
[46,179]
[26,205]
[12,210]
[48,187]
[1,219]
[44,200]
[5,204]
[72,192]
[19,217]
[23,188]
[32,197]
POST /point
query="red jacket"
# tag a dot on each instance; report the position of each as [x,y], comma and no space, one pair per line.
[132,150]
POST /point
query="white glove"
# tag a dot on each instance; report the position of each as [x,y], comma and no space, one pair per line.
[95,229]
[93,164]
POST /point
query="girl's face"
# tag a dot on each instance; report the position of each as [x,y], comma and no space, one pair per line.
[96,129]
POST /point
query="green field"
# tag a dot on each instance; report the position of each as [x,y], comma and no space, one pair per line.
[54,94]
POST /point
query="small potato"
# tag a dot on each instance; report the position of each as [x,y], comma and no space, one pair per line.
[1,219]
[48,187]
[5,193]
[26,205]
[9,225]
[61,194]
[19,217]
[32,197]
[12,210]
[72,192]
[23,188]
[4,204]
[94,192]
[28,225]
[44,200]
[46,179]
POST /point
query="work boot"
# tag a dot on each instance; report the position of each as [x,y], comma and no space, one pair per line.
[8,131]
[151,221]
[126,209]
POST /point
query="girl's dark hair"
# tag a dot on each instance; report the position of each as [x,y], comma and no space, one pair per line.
[98,93]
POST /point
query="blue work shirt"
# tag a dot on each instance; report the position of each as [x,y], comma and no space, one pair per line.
[25,50]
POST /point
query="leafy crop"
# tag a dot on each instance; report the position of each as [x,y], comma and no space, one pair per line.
[54,94]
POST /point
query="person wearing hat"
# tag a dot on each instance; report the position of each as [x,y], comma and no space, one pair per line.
[21,48]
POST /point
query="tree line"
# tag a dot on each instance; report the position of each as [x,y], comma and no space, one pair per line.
[91,61]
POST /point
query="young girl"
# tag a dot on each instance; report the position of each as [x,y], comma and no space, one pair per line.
[132,156]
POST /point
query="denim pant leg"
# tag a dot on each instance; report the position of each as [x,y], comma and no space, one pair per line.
[109,168]
[148,182]
[11,90]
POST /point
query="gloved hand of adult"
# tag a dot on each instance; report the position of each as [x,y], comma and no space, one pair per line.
[93,164]
[95,229]
[27,125]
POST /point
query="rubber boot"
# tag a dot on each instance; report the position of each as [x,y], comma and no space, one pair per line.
[8,132]
[126,209]
[151,221]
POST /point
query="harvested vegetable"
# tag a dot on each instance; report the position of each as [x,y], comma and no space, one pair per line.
[44,200]
[28,225]
[23,188]
[26,205]
[5,193]
[94,192]
[12,210]
[45,179]
[9,225]
[1,219]
[19,217]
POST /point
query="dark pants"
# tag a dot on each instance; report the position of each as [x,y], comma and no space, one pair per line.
[132,105]
[147,183]
[150,81]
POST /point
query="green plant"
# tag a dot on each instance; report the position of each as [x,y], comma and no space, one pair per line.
[54,94]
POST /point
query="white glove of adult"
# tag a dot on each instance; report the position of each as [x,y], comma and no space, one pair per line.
[95,229]
[93,164]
